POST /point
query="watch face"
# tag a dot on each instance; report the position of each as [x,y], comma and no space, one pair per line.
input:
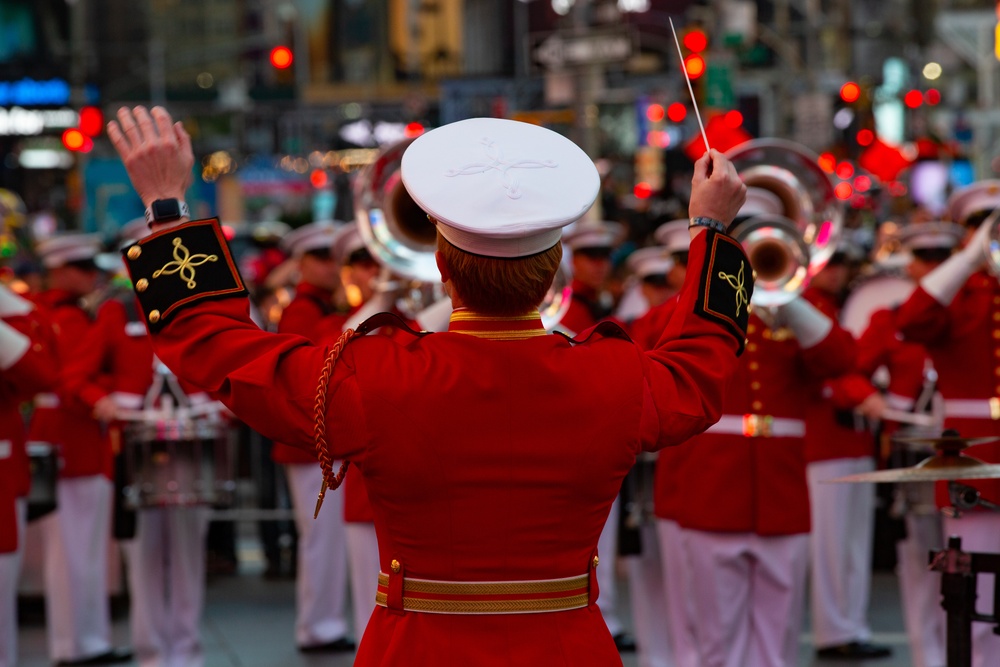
[166,209]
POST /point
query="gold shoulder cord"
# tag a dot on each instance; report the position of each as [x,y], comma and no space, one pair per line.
[330,480]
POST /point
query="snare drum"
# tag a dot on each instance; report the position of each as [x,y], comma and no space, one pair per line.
[43,461]
[177,462]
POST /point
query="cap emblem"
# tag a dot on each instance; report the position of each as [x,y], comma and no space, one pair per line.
[497,162]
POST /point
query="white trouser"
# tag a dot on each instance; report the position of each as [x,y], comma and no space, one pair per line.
[10,570]
[920,590]
[362,559]
[677,591]
[607,575]
[76,568]
[980,532]
[321,587]
[166,575]
[843,525]
[649,607]
[749,597]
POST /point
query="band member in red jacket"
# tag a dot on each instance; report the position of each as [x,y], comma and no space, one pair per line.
[78,533]
[955,314]
[27,366]
[489,471]
[321,580]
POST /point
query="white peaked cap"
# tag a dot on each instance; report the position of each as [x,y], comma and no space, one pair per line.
[313,236]
[930,235]
[760,201]
[653,261]
[65,248]
[499,188]
[981,196]
[588,233]
[674,235]
[347,240]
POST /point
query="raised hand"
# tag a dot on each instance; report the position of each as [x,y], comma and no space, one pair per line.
[716,189]
[156,152]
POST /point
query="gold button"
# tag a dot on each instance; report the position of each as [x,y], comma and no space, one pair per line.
[755,275]
[996,352]
[996,301]
[755,385]
[996,371]
[751,328]
[752,347]
[996,334]
[141,285]
[154,316]
[754,365]
[996,317]
[37,347]
[757,405]
[394,566]
[596,561]
[134,252]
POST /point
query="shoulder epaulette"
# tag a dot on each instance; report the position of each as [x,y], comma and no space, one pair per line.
[606,329]
[379,320]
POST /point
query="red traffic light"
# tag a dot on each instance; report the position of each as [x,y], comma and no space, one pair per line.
[850,92]
[318,178]
[413,129]
[696,41]
[75,140]
[865,137]
[91,121]
[913,99]
[677,112]
[281,57]
[695,65]
[655,113]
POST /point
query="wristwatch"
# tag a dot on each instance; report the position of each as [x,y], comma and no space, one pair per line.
[711,223]
[166,210]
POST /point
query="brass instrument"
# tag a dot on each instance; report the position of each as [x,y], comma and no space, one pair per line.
[787,250]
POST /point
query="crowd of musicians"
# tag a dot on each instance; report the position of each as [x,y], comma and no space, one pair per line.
[722,539]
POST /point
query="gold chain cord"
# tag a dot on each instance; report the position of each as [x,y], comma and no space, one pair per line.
[330,480]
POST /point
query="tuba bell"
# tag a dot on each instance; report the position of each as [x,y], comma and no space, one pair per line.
[786,250]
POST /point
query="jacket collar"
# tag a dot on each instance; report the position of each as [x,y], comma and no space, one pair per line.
[494,327]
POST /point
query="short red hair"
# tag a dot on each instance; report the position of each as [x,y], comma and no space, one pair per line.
[499,285]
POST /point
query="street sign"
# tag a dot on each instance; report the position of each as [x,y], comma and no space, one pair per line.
[560,50]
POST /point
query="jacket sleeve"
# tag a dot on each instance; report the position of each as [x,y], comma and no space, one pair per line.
[698,348]
[922,319]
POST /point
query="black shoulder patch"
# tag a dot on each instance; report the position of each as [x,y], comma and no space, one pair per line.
[179,267]
[379,320]
[726,285]
[606,329]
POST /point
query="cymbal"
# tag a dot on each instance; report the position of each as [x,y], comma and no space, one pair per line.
[931,469]
[947,440]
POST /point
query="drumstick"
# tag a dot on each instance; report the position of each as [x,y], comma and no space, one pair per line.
[690,89]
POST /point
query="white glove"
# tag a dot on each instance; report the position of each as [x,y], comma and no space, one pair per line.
[944,282]
[13,304]
[809,325]
[380,303]
[13,345]
[436,316]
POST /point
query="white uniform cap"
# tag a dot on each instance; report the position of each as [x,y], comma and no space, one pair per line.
[346,241]
[314,236]
[499,188]
[65,248]
[674,235]
[975,198]
[593,234]
[760,201]
[931,235]
[653,261]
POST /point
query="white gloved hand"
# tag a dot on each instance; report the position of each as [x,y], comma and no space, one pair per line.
[13,345]
[944,282]
[809,325]
[13,304]
[436,316]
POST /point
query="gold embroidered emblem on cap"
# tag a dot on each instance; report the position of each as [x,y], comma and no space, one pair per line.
[495,155]
[184,263]
[736,282]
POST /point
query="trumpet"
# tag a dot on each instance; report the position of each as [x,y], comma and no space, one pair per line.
[786,250]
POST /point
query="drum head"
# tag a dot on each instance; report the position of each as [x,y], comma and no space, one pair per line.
[874,294]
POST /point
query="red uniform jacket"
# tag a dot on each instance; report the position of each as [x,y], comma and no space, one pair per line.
[491,452]
[726,482]
[35,371]
[584,309]
[310,314]
[831,430]
[65,420]
[963,339]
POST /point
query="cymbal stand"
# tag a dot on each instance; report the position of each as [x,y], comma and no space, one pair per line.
[958,592]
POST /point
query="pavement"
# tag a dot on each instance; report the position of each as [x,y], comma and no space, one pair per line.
[249,622]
